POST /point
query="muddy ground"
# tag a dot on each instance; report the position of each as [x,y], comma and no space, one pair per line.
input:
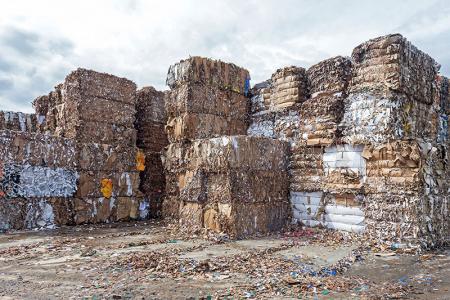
[158,261]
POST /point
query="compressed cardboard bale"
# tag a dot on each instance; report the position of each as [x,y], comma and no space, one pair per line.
[320,118]
[150,106]
[96,107]
[206,99]
[108,184]
[228,171]
[306,168]
[210,72]
[84,84]
[12,213]
[243,219]
[101,210]
[329,76]
[289,86]
[262,124]
[369,118]
[392,167]
[233,186]
[392,63]
[260,97]
[21,213]
[37,149]
[190,126]
[55,113]
[24,180]
[151,136]
[17,121]
[104,157]
[102,133]
[153,183]
[227,152]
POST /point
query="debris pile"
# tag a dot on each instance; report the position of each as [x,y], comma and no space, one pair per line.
[151,138]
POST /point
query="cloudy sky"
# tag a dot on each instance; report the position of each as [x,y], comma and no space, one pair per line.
[41,41]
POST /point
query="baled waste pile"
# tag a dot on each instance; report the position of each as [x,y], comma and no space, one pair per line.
[219,179]
[207,99]
[228,184]
[79,163]
[370,151]
[151,138]
[365,141]
[98,112]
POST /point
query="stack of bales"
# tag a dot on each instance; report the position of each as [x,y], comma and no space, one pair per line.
[235,184]
[151,138]
[276,102]
[37,180]
[326,176]
[206,99]
[396,107]
[18,121]
[97,111]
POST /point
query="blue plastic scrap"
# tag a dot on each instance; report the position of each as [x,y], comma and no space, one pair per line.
[246,86]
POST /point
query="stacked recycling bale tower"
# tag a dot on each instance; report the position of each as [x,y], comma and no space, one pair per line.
[396,107]
[369,149]
[216,177]
[97,111]
[151,138]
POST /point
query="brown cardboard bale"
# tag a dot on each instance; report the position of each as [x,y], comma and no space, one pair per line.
[393,168]
[206,99]
[191,215]
[153,182]
[260,96]
[21,213]
[200,126]
[233,186]
[104,157]
[12,213]
[102,110]
[151,136]
[320,118]
[226,153]
[329,76]
[41,105]
[242,219]
[123,184]
[289,86]
[82,83]
[101,210]
[306,169]
[210,72]
[170,207]
[391,63]
[150,106]
[17,121]
[102,133]
[37,149]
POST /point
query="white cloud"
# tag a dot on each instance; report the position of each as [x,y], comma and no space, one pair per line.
[41,41]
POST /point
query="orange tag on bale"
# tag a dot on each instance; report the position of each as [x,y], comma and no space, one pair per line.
[140,161]
[106,188]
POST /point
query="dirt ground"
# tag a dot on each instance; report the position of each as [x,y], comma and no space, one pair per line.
[152,260]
